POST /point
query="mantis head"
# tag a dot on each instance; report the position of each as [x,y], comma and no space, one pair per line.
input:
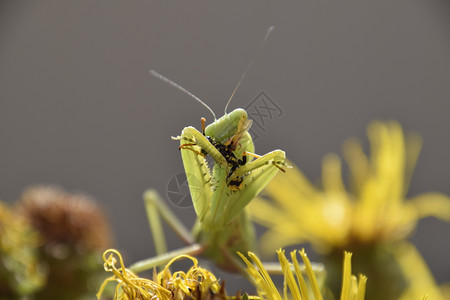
[228,125]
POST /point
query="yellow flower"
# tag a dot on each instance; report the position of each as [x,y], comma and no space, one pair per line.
[352,288]
[332,217]
[370,217]
[196,283]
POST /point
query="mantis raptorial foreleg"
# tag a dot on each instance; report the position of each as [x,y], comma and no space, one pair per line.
[193,136]
[276,158]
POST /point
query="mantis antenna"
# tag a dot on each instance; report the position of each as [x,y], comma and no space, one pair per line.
[269,31]
[167,80]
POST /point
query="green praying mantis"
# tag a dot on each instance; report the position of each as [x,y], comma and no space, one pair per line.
[220,192]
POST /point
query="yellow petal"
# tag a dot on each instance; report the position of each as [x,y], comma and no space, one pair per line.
[419,279]
[432,205]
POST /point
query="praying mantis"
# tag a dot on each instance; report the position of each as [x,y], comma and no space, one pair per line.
[220,192]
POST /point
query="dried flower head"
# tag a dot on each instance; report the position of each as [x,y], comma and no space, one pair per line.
[196,283]
[74,232]
[66,218]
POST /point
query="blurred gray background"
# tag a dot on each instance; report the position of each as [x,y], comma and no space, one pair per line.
[78,107]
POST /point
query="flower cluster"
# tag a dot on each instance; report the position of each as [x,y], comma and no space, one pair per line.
[199,283]
[372,218]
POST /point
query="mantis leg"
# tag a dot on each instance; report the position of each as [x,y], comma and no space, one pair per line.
[156,209]
[147,264]
[255,175]
[276,157]
[197,171]
[191,134]
[186,147]
[276,164]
